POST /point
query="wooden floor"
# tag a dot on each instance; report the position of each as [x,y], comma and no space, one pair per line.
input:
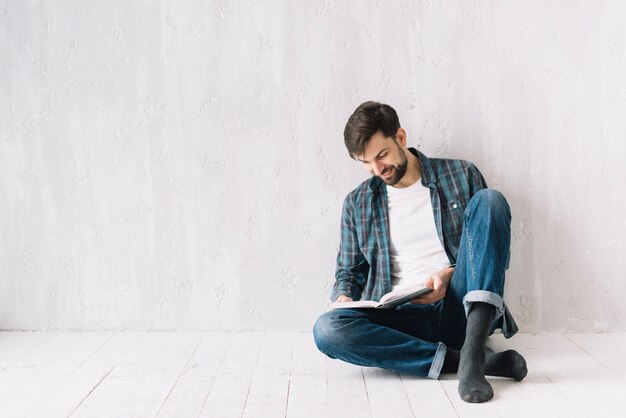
[271,374]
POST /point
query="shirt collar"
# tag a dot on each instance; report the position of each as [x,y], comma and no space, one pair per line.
[428,174]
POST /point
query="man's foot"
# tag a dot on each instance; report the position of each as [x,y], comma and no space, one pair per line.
[508,363]
[473,387]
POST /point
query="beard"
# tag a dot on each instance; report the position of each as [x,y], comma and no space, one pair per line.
[399,170]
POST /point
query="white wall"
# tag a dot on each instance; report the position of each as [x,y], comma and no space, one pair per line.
[180,165]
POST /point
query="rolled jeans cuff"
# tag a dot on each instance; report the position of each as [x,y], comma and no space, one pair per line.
[509,327]
[435,367]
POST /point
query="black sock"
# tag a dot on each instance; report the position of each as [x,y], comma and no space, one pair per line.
[451,361]
[473,387]
[507,363]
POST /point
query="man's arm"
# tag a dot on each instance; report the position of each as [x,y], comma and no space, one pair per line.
[439,282]
[352,268]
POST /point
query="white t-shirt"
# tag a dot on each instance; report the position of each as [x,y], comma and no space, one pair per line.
[415,249]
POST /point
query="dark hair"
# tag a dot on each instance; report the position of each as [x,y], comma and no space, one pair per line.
[367,119]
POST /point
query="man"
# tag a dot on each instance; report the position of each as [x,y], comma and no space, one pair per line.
[428,220]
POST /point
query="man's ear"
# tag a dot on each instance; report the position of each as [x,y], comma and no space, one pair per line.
[401,137]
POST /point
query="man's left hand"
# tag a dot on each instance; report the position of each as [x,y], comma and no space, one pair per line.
[439,282]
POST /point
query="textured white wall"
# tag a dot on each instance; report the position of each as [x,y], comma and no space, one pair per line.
[180,165]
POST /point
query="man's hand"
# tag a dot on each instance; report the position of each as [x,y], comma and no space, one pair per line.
[343,298]
[439,282]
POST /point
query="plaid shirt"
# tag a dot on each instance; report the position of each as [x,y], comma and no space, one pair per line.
[363,263]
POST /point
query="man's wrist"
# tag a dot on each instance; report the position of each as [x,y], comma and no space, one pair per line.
[450,272]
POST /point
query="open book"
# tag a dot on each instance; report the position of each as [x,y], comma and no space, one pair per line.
[390,300]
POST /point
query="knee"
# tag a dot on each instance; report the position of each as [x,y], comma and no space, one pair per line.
[491,200]
[327,332]
[323,332]
[490,197]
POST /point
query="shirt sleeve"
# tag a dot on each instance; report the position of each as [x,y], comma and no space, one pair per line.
[352,267]
[475,178]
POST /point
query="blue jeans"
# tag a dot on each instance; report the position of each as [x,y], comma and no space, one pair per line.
[413,339]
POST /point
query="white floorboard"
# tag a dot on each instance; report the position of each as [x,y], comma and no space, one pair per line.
[270,384]
[308,384]
[61,382]
[346,391]
[20,369]
[428,398]
[281,374]
[385,394]
[229,393]
[16,345]
[148,394]
[189,392]
[129,357]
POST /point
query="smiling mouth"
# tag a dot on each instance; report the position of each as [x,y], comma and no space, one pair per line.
[386,172]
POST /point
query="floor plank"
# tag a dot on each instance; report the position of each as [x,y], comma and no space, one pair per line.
[229,392]
[427,397]
[64,399]
[55,372]
[386,394]
[190,391]
[308,390]
[270,384]
[16,345]
[608,350]
[562,375]
[277,374]
[347,394]
[130,356]
[147,396]
[23,368]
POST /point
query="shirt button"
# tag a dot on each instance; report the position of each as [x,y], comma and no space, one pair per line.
[454,206]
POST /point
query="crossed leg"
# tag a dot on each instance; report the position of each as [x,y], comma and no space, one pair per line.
[404,340]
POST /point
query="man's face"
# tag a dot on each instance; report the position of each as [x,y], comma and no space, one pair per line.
[384,158]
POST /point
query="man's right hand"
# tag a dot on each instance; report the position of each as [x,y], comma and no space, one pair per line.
[343,298]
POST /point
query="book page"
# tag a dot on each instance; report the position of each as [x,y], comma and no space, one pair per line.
[355,304]
[397,294]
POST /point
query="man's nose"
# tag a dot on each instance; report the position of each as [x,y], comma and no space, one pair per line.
[378,168]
